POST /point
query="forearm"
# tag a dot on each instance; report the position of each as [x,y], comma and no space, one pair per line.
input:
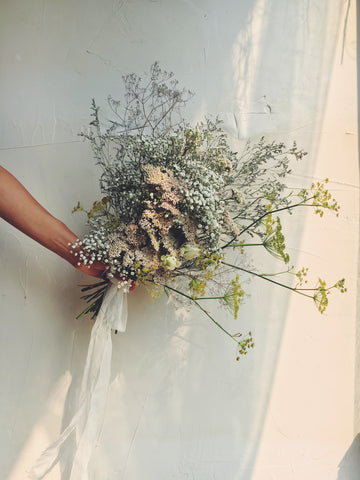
[18,207]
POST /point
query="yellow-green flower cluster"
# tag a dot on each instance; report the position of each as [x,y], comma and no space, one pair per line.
[234,295]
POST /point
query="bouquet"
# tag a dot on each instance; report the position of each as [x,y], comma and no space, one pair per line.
[177,200]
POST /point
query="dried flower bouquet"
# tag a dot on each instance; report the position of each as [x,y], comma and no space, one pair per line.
[177,199]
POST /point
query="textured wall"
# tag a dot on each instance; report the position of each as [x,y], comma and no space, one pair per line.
[179,406]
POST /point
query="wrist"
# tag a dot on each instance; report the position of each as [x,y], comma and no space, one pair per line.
[63,242]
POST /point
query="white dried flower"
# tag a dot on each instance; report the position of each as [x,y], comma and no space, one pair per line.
[170,262]
[190,252]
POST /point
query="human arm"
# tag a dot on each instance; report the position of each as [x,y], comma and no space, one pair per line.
[19,208]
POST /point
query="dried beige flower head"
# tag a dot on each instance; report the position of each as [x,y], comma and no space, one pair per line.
[189,227]
[230,224]
[117,247]
[239,196]
[225,164]
[156,175]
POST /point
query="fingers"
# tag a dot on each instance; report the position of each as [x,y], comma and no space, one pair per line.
[99,270]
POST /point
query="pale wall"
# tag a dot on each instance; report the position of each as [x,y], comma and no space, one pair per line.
[180,406]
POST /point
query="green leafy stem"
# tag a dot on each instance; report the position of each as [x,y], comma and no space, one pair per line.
[321,200]
[319,292]
[243,345]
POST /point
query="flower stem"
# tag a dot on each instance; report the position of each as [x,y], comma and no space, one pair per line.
[203,310]
[246,245]
[267,279]
[210,298]
[276,210]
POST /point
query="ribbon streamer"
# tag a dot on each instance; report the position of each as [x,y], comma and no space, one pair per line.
[95,383]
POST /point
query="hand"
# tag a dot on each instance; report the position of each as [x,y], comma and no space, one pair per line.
[97,269]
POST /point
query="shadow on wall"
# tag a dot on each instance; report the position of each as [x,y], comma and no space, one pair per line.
[349,466]
[282,90]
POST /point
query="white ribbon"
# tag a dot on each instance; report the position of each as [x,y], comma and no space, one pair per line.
[95,383]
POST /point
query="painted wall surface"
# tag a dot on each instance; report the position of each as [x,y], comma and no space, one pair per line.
[180,406]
